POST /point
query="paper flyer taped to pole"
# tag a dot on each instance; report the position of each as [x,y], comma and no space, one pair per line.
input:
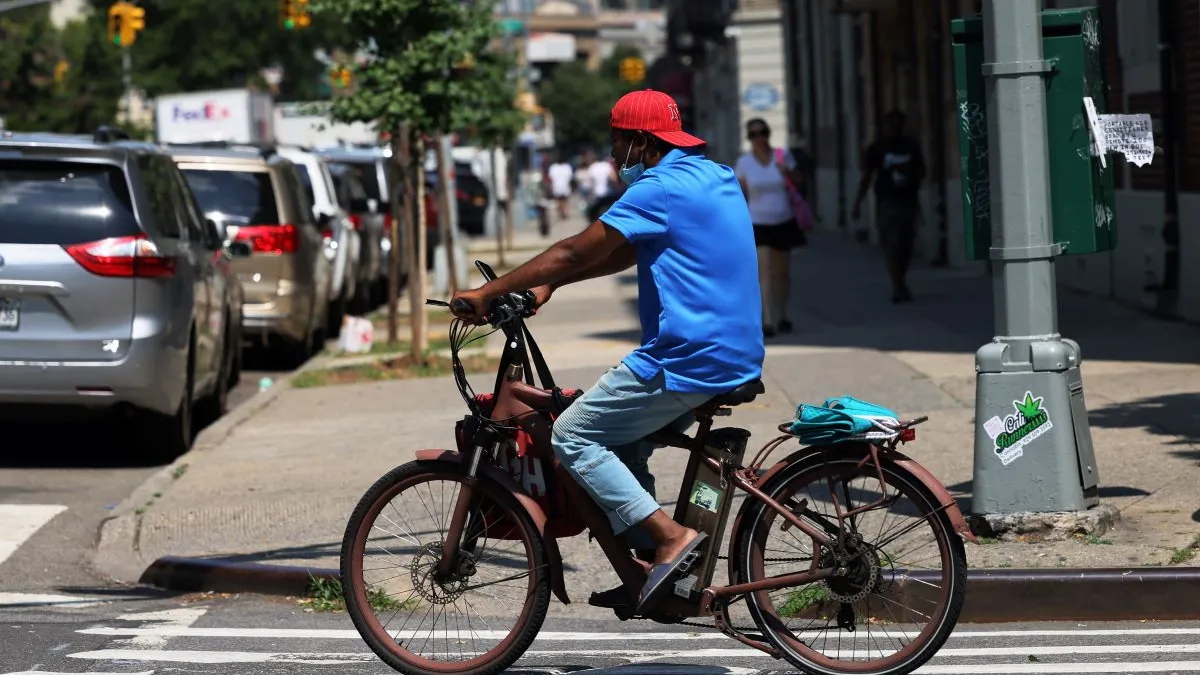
[1130,135]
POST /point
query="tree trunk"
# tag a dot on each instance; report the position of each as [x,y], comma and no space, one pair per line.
[498,222]
[445,223]
[397,200]
[420,318]
[513,187]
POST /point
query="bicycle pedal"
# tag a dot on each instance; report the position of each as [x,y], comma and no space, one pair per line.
[689,561]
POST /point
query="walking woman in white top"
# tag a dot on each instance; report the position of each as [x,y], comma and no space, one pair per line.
[764,173]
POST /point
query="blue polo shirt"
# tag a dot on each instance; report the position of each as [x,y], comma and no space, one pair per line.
[698,295]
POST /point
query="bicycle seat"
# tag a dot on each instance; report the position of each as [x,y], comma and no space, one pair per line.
[743,394]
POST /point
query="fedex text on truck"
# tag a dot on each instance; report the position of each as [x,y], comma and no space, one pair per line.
[208,111]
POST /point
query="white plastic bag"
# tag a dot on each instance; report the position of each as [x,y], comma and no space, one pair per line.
[358,334]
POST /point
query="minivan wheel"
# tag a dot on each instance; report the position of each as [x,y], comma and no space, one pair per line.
[216,403]
[336,313]
[163,438]
[239,354]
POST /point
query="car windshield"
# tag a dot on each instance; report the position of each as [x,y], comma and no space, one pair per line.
[369,179]
[246,197]
[306,180]
[63,203]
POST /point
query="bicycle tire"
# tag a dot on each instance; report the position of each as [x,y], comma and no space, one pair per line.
[950,546]
[355,594]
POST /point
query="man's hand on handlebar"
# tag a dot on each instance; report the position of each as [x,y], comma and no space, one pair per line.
[478,306]
[541,295]
[472,305]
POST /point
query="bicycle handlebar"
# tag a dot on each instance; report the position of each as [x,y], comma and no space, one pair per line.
[505,309]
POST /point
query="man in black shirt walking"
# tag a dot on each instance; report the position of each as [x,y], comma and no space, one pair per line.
[897,165]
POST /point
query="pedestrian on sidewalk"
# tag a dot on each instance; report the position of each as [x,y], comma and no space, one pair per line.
[561,176]
[898,167]
[767,176]
[683,221]
[603,177]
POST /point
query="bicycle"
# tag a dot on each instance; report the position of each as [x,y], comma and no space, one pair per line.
[503,485]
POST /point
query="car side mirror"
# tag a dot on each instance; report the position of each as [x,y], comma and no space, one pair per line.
[212,235]
[239,249]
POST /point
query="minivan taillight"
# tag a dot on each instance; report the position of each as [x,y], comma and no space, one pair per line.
[269,238]
[134,256]
[356,222]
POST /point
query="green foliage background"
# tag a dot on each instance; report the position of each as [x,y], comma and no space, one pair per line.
[580,100]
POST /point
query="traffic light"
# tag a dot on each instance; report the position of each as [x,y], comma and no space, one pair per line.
[293,14]
[341,77]
[633,69]
[125,19]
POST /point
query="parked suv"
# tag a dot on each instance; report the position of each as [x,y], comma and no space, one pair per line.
[370,166]
[257,197]
[342,240]
[114,289]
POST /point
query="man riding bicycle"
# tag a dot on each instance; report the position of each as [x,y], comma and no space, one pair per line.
[683,220]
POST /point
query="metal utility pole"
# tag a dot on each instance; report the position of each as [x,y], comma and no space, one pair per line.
[1033,449]
[18,4]
[127,76]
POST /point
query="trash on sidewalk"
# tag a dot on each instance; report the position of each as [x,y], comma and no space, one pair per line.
[265,384]
[358,335]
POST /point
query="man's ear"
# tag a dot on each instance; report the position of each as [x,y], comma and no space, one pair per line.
[640,142]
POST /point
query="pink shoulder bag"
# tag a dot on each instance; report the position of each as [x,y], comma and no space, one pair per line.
[804,216]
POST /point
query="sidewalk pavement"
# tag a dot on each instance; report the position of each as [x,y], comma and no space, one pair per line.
[276,484]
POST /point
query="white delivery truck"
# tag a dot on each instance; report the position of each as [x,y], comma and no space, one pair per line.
[231,115]
[308,125]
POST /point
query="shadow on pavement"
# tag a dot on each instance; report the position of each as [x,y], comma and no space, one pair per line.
[1168,415]
[48,439]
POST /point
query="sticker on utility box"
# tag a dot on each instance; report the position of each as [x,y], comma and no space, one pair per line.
[705,496]
[1028,421]
[1129,135]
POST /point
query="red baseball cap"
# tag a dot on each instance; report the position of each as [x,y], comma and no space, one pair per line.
[655,113]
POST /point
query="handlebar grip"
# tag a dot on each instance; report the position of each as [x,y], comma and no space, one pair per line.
[463,307]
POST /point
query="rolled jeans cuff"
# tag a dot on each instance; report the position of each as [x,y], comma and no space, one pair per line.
[610,473]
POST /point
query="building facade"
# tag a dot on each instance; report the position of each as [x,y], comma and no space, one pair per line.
[850,61]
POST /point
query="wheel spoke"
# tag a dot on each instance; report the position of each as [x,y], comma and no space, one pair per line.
[483,612]
[869,615]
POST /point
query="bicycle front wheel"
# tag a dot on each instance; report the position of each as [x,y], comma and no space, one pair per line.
[477,621]
[901,576]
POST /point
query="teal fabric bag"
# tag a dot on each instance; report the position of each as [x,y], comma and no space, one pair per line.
[843,419]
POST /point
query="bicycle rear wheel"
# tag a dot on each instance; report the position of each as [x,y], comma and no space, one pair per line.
[478,621]
[904,569]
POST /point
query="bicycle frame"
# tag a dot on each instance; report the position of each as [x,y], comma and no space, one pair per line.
[518,400]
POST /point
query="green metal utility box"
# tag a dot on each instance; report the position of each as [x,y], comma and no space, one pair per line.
[1081,192]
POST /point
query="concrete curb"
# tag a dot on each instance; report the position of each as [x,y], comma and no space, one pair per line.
[193,575]
[993,595]
[116,556]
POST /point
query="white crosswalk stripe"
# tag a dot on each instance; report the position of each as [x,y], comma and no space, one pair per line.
[176,640]
[19,522]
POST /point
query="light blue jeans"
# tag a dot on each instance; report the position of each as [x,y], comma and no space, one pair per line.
[599,440]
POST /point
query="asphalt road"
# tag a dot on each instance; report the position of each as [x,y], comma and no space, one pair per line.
[57,483]
[264,636]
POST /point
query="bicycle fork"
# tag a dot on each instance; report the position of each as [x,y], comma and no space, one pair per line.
[467,520]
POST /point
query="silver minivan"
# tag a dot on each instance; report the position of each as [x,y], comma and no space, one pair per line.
[256,196]
[115,292]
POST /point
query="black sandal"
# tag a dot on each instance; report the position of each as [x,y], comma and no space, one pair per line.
[663,576]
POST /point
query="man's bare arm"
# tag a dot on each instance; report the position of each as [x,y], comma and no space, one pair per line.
[619,260]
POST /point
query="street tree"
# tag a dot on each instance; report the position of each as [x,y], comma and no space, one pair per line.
[418,53]
[493,121]
[196,45]
[580,99]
